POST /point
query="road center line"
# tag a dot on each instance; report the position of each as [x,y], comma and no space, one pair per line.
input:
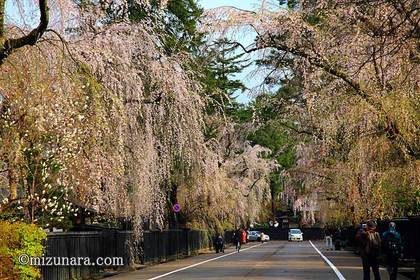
[337,272]
[196,264]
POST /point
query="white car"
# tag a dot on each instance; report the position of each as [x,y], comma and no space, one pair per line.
[253,235]
[295,234]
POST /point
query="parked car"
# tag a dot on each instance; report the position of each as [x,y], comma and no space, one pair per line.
[295,234]
[254,236]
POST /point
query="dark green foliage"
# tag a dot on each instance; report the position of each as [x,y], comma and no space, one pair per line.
[241,113]
[221,63]
[177,24]
[226,61]
[275,183]
[291,4]
[138,13]
[287,85]
[277,139]
[183,17]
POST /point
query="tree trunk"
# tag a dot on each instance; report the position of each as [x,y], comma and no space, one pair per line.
[273,203]
[2,13]
[173,223]
[12,176]
[8,45]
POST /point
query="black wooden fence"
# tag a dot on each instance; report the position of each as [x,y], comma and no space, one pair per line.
[107,243]
[161,246]
[153,247]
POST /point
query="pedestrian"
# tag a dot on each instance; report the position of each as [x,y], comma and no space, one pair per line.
[328,239]
[369,247]
[391,241]
[262,237]
[337,240]
[243,236]
[361,230]
[219,243]
[237,239]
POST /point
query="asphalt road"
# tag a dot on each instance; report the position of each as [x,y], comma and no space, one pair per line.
[273,260]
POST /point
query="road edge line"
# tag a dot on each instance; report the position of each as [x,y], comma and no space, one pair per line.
[335,269]
[197,264]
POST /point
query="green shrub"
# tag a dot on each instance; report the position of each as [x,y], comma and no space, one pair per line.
[16,239]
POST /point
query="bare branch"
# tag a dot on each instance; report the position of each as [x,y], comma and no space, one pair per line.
[295,129]
[235,8]
[252,186]
[64,42]
[237,44]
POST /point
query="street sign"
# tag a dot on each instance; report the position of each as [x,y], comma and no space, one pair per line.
[176,208]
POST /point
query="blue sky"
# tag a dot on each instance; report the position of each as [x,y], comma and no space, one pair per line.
[248,79]
[243,4]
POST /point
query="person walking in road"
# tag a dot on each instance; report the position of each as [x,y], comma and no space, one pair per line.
[328,239]
[369,246]
[237,236]
[391,241]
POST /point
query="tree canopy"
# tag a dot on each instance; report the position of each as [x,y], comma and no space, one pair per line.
[129,107]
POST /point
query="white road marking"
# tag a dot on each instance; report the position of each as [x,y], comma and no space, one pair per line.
[196,264]
[337,272]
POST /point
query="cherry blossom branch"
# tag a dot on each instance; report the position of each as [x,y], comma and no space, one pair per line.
[319,62]
[312,173]
[64,42]
[11,202]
